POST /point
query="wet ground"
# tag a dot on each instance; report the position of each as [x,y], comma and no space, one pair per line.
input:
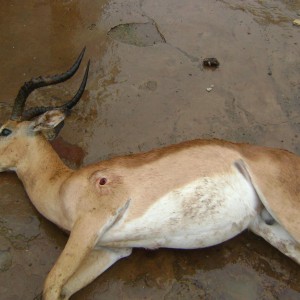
[147,89]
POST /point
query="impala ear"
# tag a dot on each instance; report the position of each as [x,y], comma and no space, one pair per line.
[49,123]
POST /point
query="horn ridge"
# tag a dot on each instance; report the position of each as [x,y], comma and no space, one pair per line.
[38,82]
[70,104]
[35,111]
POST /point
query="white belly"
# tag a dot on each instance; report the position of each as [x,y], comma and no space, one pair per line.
[203,213]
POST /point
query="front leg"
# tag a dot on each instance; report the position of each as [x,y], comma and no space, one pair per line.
[81,241]
[93,265]
[85,233]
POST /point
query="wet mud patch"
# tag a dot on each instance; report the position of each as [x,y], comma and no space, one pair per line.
[19,230]
[137,34]
[5,260]
[16,225]
[150,85]
[226,271]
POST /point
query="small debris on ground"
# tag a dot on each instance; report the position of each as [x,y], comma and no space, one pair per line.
[296,22]
[211,62]
[209,89]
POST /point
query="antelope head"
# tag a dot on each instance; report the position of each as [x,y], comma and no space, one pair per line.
[28,124]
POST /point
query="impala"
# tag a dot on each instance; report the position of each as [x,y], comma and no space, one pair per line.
[191,195]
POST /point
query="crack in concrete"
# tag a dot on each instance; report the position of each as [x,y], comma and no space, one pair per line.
[151,20]
[266,124]
[144,14]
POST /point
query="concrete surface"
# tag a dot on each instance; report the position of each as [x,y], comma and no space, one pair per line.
[147,89]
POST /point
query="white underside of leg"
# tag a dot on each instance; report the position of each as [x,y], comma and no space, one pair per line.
[278,237]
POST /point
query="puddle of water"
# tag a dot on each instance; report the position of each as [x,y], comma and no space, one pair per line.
[43,38]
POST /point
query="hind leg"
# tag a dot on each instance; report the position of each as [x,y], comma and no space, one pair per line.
[276,235]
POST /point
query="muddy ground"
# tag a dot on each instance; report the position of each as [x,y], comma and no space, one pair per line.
[148,88]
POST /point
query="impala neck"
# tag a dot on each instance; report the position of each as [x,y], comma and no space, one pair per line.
[42,173]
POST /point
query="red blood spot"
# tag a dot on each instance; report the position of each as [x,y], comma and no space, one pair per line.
[102,181]
[70,152]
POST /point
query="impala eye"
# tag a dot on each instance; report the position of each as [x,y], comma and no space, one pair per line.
[5,132]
